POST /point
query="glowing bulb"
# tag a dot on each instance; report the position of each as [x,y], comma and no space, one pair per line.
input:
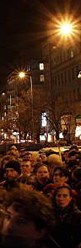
[66,28]
[22,74]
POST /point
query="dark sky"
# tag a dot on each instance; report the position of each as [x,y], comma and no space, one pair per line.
[23,25]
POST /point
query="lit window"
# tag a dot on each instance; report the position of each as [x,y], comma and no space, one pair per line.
[44,119]
[72,53]
[41,66]
[78,132]
[42,78]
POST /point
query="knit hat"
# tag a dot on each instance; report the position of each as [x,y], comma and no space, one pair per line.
[13,148]
[15,165]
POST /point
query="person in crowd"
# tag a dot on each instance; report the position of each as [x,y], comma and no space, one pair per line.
[28,221]
[5,159]
[61,175]
[68,217]
[73,158]
[11,175]
[26,172]
[13,151]
[76,183]
[26,155]
[43,158]
[3,201]
[76,176]
[54,160]
[42,177]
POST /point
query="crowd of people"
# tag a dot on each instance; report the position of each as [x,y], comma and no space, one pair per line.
[40,199]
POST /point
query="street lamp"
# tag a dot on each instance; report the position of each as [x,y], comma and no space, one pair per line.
[22,75]
[67,28]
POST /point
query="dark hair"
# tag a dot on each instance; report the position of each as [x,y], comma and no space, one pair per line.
[38,165]
[66,186]
[63,171]
[32,205]
[14,164]
[73,147]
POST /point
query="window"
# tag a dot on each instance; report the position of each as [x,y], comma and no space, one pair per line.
[41,66]
[42,78]
[44,119]
[71,53]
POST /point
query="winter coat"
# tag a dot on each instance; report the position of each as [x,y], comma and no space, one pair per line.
[46,242]
[67,230]
[40,186]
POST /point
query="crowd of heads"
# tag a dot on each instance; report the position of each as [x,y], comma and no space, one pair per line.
[41,192]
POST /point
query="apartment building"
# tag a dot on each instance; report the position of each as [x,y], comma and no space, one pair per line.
[62,79]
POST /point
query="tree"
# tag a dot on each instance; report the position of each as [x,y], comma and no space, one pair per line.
[24,120]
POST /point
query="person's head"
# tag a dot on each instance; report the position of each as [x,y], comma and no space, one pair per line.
[63,195]
[30,215]
[5,160]
[60,175]
[28,156]
[74,148]
[13,151]
[42,173]
[26,167]
[12,170]
[13,147]
[76,174]
[43,157]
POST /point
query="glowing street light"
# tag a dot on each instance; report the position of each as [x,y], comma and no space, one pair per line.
[66,28]
[22,75]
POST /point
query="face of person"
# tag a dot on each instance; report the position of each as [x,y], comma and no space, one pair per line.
[43,157]
[29,157]
[59,177]
[63,197]
[16,225]
[26,167]
[11,174]
[42,174]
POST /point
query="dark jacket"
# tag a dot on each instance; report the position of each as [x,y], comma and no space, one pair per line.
[40,186]
[67,230]
[9,185]
[46,242]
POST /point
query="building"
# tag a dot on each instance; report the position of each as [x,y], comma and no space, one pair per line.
[62,79]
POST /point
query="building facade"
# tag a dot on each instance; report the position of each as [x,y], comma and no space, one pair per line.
[62,78]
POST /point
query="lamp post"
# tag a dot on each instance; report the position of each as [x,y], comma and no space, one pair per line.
[22,75]
[31,85]
[66,31]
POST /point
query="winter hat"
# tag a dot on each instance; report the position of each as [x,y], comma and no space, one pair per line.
[13,148]
[15,165]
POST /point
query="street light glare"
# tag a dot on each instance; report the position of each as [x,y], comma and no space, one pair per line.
[66,28]
[21,74]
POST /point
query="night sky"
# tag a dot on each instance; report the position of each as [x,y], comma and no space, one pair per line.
[24,24]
